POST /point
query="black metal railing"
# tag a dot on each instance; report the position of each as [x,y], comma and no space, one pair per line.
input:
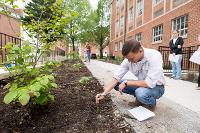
[4,39]
[186,64]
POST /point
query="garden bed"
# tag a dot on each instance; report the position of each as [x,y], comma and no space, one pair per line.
[74,109]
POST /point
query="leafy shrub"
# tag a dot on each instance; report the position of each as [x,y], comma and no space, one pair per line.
[77,66]
[29,82]
[73,55]
[84,80]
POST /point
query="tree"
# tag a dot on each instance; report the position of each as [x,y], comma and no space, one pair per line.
[102,29]
[44,20]
[97,26]
[78,10]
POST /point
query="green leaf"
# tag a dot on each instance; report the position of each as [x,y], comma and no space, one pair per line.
[51,97]
[37,94]
[15,6]
[44,81]
[35,87]
[54,85]
[20,61]
[13,87]
[42,100]
[9,97]
[7,86]
[24,98]
[23,90]
[51,77]
[21,79]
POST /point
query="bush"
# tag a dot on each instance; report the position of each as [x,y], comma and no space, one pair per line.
[29,82]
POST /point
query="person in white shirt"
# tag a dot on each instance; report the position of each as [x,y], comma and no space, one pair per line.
[146,65]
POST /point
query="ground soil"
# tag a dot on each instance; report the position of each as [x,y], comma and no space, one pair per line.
[74,110]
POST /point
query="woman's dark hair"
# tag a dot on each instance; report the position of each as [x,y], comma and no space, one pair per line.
[130,46]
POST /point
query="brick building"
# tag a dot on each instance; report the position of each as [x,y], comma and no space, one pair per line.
[10,25]
[9,28]
[152,21]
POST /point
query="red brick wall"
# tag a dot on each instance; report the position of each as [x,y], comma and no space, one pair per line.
[191,7]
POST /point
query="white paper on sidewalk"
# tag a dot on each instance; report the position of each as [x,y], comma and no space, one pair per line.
[195,57]
[173,58]
[141,113]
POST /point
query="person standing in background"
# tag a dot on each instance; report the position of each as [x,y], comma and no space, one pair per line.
[176,45]
[85,54]
[88,52]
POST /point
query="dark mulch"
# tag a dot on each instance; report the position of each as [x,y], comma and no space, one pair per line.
[74,110]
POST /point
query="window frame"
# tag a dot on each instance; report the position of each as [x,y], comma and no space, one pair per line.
[181,24]
[157,33]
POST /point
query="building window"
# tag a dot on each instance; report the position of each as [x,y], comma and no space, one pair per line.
[181,24]
[120,45]
[158,12]
[139,7]
[157,33]
[116,47]
[122,22]
[178,2]
[157,1]
[138,37]
[130,14]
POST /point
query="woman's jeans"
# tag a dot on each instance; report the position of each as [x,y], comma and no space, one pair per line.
[146,96]
[176,68]
[88,55]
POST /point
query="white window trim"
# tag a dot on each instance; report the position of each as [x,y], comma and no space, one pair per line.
[130,20]
[116,47]
[184,36]
[136,36]
[120,45]
[160,35]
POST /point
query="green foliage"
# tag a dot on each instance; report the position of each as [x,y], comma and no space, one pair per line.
[45,20]
[84,80]
[30,83]
[77,66]
[118,59]
[78,11]
[37,89]
[73,55]
[98,26]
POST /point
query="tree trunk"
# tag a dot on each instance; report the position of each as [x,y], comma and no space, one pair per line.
[73,45]
[101,51]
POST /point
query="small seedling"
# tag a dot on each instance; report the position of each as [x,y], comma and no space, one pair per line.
[84,80]
[77,66]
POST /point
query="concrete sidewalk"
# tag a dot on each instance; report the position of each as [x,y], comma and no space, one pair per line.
[178,111]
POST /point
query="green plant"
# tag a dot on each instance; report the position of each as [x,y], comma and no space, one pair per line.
[29,82]
[37,89]
[77,66]
[73,55]
[118,59]
[84,80]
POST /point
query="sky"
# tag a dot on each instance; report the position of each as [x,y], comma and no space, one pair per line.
[94,3]
[21,4]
